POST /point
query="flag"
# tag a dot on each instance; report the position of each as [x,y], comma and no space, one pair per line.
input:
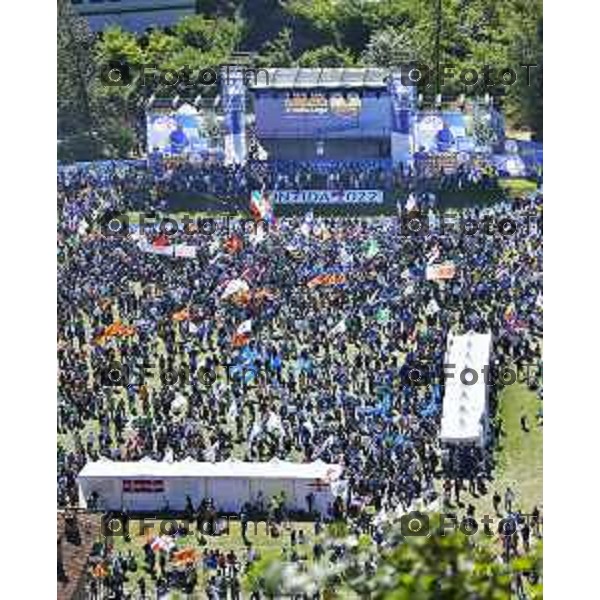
[274,424]
[163,543]
[324,446]
[345,257]
[373,297]
[185,556]
[411,202]
[383,316]
[339,328]
[233,244]
[181,315]
[440,271]
[185,251]
[161,241]
[234,287]
[116,329]
[510,312]
[256,431]
[148,486]
[433,255]
[327,279]
[233,411]
[260,206]
[83,227]
[432,308]
[307,223]
[258,236]
[372,249]
[242,334]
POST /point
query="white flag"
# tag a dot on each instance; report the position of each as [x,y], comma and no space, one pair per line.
[411,202]
[232,413]
[339,328]
[256,430]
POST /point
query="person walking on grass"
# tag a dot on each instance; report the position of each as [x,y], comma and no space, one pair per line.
[509,498]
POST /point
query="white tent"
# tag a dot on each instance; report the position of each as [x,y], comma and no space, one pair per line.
[465,405]
[149,485]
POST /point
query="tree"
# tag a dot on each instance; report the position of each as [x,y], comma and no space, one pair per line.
[451,566]
[326,56]
[389,48]
[75,71]
[209,35]
[277,53]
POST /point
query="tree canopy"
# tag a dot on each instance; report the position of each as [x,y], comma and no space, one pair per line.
[320,33]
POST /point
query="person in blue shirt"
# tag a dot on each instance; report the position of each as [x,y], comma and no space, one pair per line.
[445,138]
[178,140]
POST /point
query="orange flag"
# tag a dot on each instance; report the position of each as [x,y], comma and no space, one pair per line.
[181,315]
[116,329]
[186,555]
[324,279]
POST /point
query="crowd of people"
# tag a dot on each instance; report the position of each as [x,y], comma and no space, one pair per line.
[328,362]
[133,181]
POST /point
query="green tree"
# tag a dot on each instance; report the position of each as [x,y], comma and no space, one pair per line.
[447,567]
[209,35]
[277,53]
[326,56]
[75,71]
[161,47]
[389,48]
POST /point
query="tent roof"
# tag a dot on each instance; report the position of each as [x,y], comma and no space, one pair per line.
[465,405]
[275,469]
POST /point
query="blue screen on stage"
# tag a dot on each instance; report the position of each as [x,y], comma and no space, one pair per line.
[175,133]
[331,114]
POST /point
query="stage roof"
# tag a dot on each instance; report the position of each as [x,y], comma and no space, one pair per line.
[305,79]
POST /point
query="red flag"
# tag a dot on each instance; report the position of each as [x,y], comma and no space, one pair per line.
[233,244]
[161,241]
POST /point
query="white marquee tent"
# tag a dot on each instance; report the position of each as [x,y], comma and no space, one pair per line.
[465,405]
[149,485]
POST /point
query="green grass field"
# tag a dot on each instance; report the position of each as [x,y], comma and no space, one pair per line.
[518,465]
[267,546]
[519,453]
[520,457]
[516,187]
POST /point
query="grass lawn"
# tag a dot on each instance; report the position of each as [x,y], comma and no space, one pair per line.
[517,187]
[520,457]
[266,545]
[519,454]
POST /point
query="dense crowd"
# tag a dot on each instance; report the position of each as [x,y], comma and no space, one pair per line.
[139,187]
[325,370]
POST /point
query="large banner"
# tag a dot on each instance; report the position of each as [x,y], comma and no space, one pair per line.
[177,133]
[322,115]
[233,94]
[403,109]
[325,196]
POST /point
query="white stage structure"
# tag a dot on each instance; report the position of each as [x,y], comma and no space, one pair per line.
[150,485]
[465,405]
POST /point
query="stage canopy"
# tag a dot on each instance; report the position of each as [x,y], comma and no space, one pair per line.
[313,79]
[150,485]
[465,405]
